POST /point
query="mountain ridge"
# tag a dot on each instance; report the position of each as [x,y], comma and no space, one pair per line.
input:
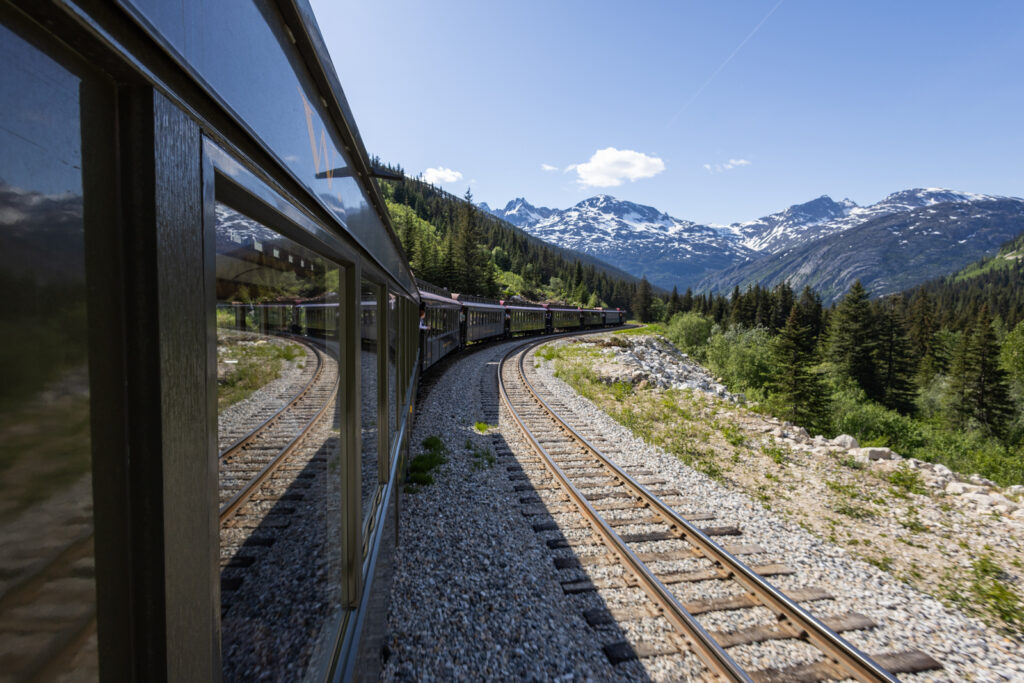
[671,251]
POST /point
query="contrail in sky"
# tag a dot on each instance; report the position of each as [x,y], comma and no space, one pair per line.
[723,64]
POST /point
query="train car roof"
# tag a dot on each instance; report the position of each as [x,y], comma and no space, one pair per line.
[486,307]
[428,297]
[524,308]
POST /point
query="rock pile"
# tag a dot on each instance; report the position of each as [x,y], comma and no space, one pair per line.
[657,362]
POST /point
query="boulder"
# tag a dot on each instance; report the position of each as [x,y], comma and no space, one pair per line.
[981,500]
[874,453]
[845,441]
[886,466]
[980,480]
[959,488]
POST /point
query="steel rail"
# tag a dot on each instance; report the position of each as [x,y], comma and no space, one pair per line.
[688,628]
[801,623]
[231,507]
[248,438]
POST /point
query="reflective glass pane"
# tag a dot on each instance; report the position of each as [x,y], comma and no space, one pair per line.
[394,400]
[368,386]
[47,584]
[285,111]
[280,447]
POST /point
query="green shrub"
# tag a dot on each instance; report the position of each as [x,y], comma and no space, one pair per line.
[741,357]
[873,424]
[423,464]
[690,332]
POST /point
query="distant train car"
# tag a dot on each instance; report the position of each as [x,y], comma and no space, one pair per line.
[562,318]
[442,335]
[616,317]
[524,319]
[319,320]
[593,317]
[482,321]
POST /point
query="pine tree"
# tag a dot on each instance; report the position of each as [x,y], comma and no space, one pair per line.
[852,341]
[895,361]
[798,390]
[674,303]
[987,392]
[642,301]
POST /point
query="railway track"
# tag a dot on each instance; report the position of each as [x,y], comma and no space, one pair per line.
[252,459]
[627,541]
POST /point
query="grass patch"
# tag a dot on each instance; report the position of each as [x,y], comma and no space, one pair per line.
[421,467]
[734,435]
[482,458]
[482,427]
[988,592]
[778,454]
[252,365]
[853,511]
[907,480]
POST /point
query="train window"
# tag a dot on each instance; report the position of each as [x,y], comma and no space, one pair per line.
[394,399]
[280,449]
[46,503]
[370,418]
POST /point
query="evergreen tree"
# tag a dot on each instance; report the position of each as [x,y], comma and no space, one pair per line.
[987,392]
[686,304]
[852,341]
[895,361]
[674,304]
[797,389]
[810,312]
[642,301]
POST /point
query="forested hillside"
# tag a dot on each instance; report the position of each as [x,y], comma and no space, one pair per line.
[936,372]
[452,243]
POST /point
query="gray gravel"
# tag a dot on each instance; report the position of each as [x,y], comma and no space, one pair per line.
[476,594]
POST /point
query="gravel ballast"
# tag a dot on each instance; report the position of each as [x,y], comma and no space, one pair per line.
[476,594]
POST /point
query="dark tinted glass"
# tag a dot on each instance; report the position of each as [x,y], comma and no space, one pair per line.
[368,385]
[277,384]
[234,45]
[47,585]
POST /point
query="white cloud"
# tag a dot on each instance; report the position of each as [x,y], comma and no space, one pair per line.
[609,167]
[548,167]
[439,175]
[727,166]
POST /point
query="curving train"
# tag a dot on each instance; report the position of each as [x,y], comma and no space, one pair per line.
[455,321]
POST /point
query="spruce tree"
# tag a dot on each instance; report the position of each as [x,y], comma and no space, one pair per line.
[642,301]
[895,361]
[674,303]
[987,392]
[852,341]
[797,389]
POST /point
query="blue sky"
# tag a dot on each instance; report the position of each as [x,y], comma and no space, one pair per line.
[713,111]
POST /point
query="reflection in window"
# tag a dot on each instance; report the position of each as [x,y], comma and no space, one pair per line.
[277,346]
[368,386]
[394,400]
[47,615]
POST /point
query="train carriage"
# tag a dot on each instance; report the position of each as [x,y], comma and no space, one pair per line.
[593,317]
[442,333]
[482,321]
[524,319]
[565,318]
[188,206]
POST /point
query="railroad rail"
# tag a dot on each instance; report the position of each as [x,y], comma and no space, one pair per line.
[252,460]
[590,483]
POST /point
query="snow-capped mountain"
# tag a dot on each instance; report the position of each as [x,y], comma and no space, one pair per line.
[637,238]
[889,252]
[675,252]
[520,212]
